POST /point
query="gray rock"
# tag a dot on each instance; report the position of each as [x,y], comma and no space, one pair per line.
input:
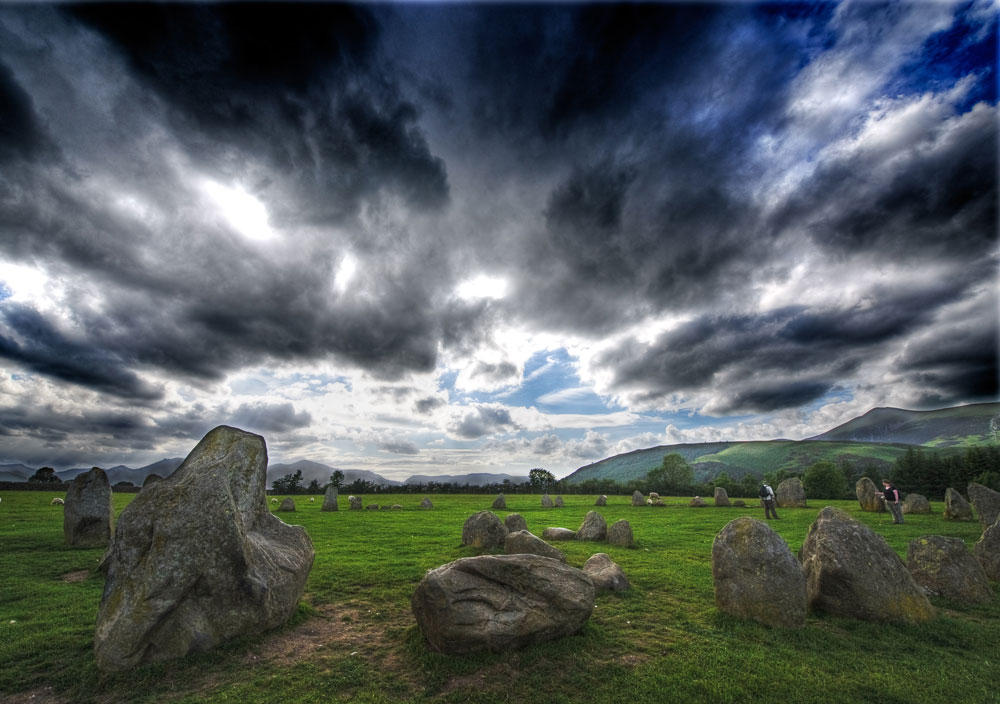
[559,534]
[484,531]
[523,542]
[602,500]
[330,499]
[956,508]
[594,527]
[546,501]
[916,503]
[500,503]
[867,494]
[514,522]
[620,534]
[637,499]
[739,503]
[851,571]
[89,518]
[721,497]
[944,567]
[987,551]
[605,574]
[501,602]
[150,478]
[198,559]
[372,507]
[790,494]
[426,503]
[384,507]
[559,502]
[354,502]
[288,504]
[757,576]
[697,502]
[986,502]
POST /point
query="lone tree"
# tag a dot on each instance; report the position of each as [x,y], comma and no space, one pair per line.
[45,474]
[289,483]
[673,476]
[337,479]
[541,478]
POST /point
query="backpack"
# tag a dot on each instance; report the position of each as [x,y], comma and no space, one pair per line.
[764,493]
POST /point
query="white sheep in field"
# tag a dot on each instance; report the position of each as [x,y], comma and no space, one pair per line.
[274,500]
[57,502]
[312,499]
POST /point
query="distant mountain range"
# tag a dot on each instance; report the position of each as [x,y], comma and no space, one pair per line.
[877,438]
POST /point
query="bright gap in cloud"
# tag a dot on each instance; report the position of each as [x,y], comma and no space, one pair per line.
[240,209]
[482,286]
[345,272]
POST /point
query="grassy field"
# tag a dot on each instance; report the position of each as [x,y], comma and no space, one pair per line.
[354,638]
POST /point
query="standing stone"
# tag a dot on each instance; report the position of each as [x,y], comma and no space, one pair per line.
[594,527]
[605,574]
[867,494]
[986,502]
[637,499]
[426,503]
[559,502]
[355,502]
[620,534]
[943,566]
[852,571]
[198,559]
[514,522]
[721,497]
[501,602]
[790,494]
[330,499]
[916,503]
[558,534]
[757,576]
[739,503]
[522,542]
[89,518]
[288,504]
[602,500]
[697,502]
[483,530]
[546,501]
[500,503]
[956,508]
[987,551]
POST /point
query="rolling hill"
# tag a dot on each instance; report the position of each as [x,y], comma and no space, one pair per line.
[974,424]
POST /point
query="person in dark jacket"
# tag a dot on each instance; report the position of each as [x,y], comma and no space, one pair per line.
[767,498]
[891,496]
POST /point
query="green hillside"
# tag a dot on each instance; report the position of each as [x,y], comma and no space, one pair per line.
[975,424]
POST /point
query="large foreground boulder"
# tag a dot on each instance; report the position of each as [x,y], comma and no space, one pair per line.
[594,527]
[986,502]
[790,494]
[89,517]
[987,551]
[956,508]
[483,530]
[198,559]
[721,497]
[757,576]
[620,534]
[916,503]
[501,602]
[852,571]
[945,567]
[523,542]
[330,499]
[867,494]
[514,522]
[606,575]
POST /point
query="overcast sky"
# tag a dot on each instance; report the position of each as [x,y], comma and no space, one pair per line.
[460,238]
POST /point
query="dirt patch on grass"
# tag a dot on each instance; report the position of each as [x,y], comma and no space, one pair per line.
[78,576]
[501,672]
[42,695]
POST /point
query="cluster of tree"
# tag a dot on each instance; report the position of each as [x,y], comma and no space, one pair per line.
[45,475]
[931,472]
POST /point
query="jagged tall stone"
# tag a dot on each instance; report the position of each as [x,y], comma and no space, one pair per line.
[756,575]
[89,517]
[594,527]
[851,571]
[986,502]
[956,508]
[867,494]
[637,498]
[199,559]
[721,497]
[790,494]
[330,499]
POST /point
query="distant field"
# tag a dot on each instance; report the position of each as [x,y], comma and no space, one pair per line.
[354,638]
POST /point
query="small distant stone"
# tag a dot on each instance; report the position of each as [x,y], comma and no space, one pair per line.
[484,531]
[602,500]
[426,503]
[354,502]
[956,508]
[287,505]
[594,527]
[697,502]
[620,534]
[384,507]
[945,567]
[916,503]
[605,574]
[523,542]
[559,502]
[986,502]
[88,516]
[559,534]
[637,499]
[721,497]
[500,503]
[514,522]
[546,501]
[372,507]
[739,503]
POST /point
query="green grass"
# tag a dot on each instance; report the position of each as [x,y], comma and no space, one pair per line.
[354,638]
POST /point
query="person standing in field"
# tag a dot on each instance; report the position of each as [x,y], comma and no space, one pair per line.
[891,496]
[767,498]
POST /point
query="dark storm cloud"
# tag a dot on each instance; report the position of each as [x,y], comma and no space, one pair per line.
[270,417]
[426,406]
[20,134]
[483,420]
